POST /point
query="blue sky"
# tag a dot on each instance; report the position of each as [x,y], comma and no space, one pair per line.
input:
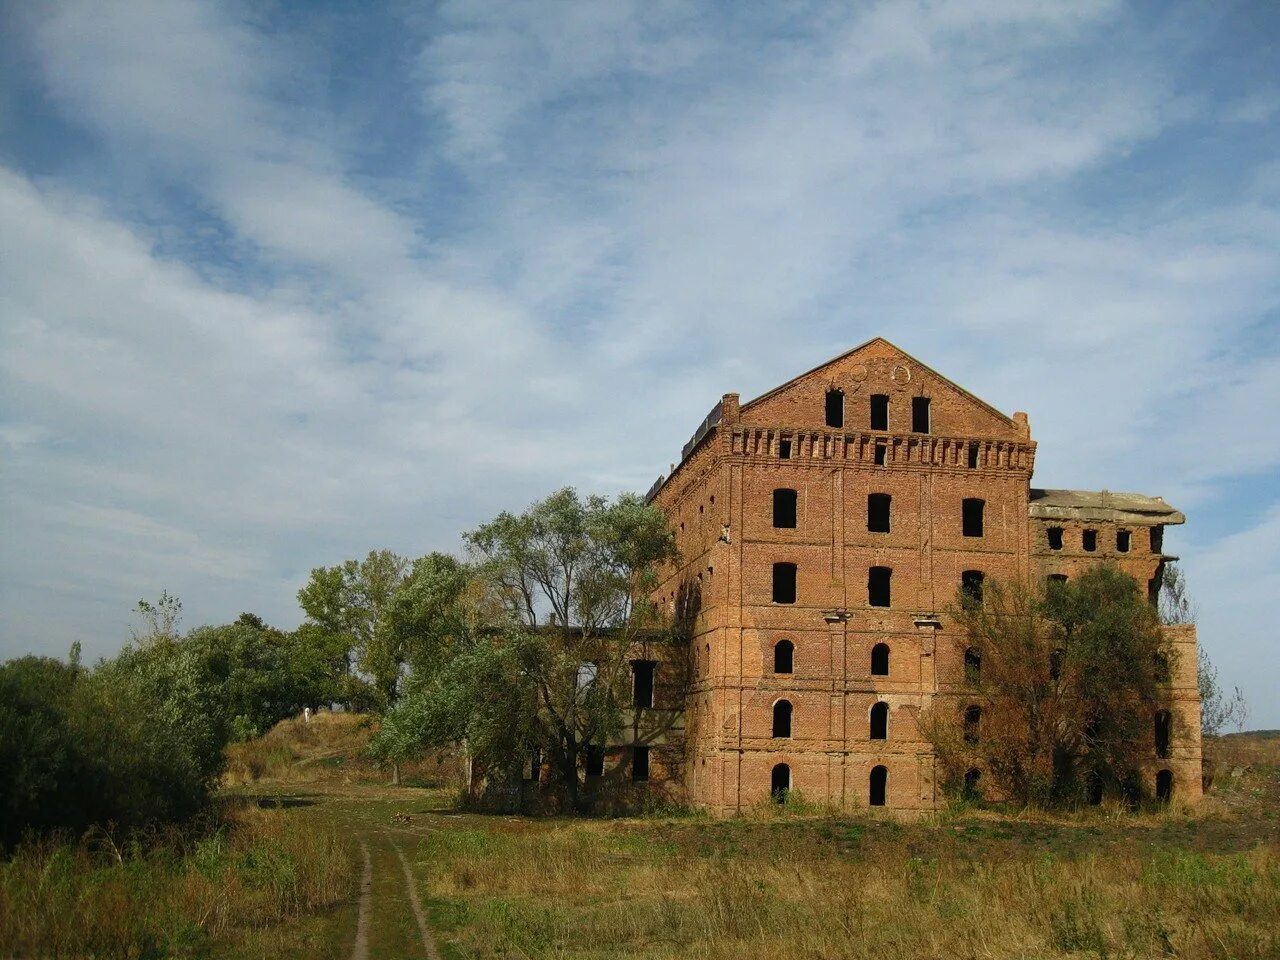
[280,283]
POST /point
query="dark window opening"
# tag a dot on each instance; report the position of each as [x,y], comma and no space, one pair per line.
[1056,659]
[973,454]
[879,411]
[972,666]
[782,718]
[882,454]
[879,781]
[784,583]
[972,777]
[919,414]
[639,763]
[784,508]
[1157,539]
[780,782]
[879,593]
[1055,538]
[971,587]
[880,721]
[835,408]
[783,656]
[1161,663]
[879,506]
[971,512]
[1093,790]
[1122,541]
[1054,581]
[880,660]
[1164,733]
[595,761]
[1089,540]
[784,449]
[535,765]
[642,672]
[1164,786]
[972,723]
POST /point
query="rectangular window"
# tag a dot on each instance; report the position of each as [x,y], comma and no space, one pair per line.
[878,509]
[784,449]
[835,408]
[1054,534]
[1090,540]
[784,508]
[973,454]
[882,451]
[639,763]
[595,761]
[879,593]
[1157,539]
[642,672]
[1122,541]
[919,414]
[971,520]
[879,411]
[784,583]
[971,587]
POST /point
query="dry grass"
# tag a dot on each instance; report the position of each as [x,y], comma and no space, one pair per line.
[331,748]
[968,885]
[173,896]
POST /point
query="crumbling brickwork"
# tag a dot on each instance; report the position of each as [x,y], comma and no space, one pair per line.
[874,421]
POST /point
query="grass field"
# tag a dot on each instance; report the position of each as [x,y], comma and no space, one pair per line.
[964,884]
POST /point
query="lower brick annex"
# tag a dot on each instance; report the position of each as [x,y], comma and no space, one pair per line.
[823,530]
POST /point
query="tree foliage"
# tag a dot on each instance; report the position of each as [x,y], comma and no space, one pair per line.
[1066,688]
[536,655]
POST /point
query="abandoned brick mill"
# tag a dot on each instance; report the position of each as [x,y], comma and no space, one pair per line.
[825,528]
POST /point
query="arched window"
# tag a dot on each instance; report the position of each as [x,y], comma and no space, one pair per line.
[1164,786]
[972,667]
[781,782]
[782,718]
[880,660]
[784,583]
[835,407]
[1164,733]
[972,723]
[783,656]
[971,517]
[879,783]
[880,721]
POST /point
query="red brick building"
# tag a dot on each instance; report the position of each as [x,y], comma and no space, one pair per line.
[824,529]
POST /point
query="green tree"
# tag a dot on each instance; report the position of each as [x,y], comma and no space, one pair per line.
[1066,687]
[545,665]
[349,603]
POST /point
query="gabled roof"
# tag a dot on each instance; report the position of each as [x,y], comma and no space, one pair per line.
[893,346]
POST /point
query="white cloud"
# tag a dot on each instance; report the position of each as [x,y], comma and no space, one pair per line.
[645,205]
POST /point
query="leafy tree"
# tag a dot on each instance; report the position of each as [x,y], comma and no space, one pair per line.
[1066,685]
[544,660]
[349,603]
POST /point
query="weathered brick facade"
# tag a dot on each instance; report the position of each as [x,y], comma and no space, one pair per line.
[929,457]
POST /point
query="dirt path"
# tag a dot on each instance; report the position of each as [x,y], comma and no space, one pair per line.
[428,941]
[361,949]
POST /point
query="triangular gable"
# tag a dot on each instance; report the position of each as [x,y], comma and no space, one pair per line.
[878,367]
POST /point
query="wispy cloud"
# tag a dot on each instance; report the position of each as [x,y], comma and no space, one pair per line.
[240,338]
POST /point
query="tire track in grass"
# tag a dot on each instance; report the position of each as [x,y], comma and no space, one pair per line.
[360,951]
[428,941]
